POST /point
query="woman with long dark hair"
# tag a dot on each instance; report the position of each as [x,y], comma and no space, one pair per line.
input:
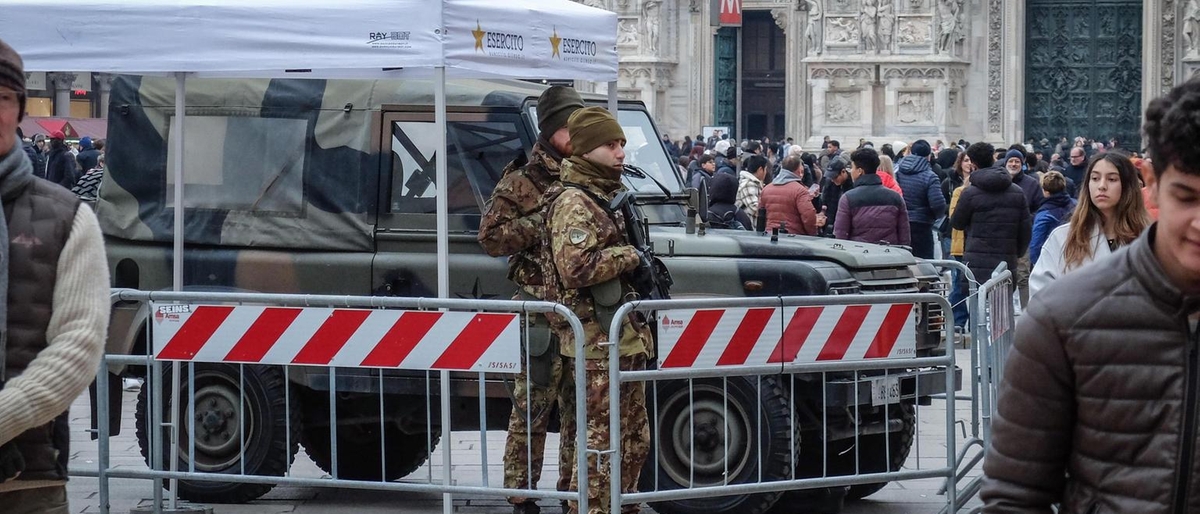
[1110,214]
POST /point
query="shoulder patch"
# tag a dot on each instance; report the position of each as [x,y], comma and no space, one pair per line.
[576,235]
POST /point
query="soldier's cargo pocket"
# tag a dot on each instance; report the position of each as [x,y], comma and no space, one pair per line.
[607,299]
[543,350]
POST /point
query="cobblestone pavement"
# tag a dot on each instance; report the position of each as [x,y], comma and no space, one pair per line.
[919,496]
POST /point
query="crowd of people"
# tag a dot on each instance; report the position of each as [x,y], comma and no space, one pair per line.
[981,205]
[76,166]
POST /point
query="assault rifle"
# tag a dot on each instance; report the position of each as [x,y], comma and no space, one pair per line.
[651,279]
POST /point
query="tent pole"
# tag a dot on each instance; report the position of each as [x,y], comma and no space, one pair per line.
[443,259]
[177,270]
[612,97]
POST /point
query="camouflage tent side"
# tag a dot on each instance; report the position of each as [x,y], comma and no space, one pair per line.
[262,170]
[285,163]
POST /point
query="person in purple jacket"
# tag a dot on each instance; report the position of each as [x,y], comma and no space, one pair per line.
[871,213]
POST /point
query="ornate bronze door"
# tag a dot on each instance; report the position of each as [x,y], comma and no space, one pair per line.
[1083,70]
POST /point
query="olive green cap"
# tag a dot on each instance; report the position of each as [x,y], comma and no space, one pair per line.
[592,127]
[554,107]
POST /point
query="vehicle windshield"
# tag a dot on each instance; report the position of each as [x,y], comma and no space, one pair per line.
[644,149]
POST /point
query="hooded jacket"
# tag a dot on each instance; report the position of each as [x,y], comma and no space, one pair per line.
[872,213]
[1054,211]
[1096,395]
[61,167]
[787,200]
[722,193]
[88,156]
[992,212]
[922,190]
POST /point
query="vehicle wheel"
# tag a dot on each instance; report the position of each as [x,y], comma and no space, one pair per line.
[873,452]
[752,406]
[360,456]
[219,414]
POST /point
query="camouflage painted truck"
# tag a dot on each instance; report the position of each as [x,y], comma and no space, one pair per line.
[313,186]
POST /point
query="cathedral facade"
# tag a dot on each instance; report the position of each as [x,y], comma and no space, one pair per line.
[984,70]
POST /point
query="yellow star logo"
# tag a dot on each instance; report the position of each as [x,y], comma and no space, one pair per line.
[554,42]
[478,33]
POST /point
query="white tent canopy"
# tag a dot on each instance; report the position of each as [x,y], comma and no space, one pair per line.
[554,39]
[317,38]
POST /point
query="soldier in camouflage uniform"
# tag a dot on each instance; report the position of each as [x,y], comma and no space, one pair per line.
[587,270]
[513,226]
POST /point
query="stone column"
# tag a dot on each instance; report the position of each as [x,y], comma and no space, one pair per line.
[62,82]
[794,93]
[103,88]
[1014,72]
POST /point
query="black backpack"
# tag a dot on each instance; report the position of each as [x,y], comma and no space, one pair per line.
[727,219]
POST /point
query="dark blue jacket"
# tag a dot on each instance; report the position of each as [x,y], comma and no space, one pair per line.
[1054,211]
[1031,188]
[922,190]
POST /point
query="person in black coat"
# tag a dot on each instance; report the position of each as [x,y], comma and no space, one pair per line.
[61,167]
[722,211]
[994,214]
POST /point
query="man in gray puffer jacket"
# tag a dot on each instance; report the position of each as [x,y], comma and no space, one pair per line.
[1100,399]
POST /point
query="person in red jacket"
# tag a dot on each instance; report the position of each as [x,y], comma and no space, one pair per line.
[789,203]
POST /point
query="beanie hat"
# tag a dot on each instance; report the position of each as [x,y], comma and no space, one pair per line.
[12,73]
[85,143]
[592,127]
[1014,153]
[58,134]
[920,148]
[898,145]
[554,107]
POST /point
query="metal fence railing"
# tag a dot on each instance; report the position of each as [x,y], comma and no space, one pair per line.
[368,385]
[757,398]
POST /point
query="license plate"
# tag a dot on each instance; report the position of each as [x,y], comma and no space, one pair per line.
[885,390]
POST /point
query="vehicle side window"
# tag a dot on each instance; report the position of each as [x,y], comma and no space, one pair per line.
[242,164]
[478,152]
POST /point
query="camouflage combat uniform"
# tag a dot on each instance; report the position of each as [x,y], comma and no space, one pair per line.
[513,226]
[588,247]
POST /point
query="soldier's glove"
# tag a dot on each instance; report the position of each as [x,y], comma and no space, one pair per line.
[11,462]
[642,277]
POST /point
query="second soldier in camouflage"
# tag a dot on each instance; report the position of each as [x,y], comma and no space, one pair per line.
[513,226]
[586,270]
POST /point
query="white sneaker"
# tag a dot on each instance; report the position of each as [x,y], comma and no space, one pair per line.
[132,384]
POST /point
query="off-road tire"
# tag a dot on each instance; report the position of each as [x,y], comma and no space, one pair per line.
[872,453]
[749,403]
[360,456]
[267,452]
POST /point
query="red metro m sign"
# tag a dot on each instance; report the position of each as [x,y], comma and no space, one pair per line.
[730,13]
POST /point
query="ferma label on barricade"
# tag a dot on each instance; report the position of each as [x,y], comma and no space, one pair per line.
[389,339]
[710,338]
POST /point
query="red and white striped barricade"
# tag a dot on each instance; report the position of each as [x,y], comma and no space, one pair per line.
[389,339]
[710,338]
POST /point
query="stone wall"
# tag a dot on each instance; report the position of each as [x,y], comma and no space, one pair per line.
[881,69]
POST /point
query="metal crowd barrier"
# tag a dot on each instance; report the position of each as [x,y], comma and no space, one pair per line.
[721,345]
[366,337]
[991,328]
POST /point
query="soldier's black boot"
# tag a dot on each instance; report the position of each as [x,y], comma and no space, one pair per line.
[526,507]
[565,508]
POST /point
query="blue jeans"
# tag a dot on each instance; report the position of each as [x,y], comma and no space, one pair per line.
[958,295]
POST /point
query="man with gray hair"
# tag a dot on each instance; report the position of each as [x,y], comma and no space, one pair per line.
[53,310]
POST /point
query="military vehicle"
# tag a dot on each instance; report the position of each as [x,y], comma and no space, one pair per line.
[325,186]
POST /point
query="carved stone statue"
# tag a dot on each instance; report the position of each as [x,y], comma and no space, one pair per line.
[627,33]
[867,21]
[814,33]
[949,25]
[1191,28]
[651,16]
[887,24]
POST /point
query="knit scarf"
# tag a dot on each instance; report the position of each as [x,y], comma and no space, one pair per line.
[15,173]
